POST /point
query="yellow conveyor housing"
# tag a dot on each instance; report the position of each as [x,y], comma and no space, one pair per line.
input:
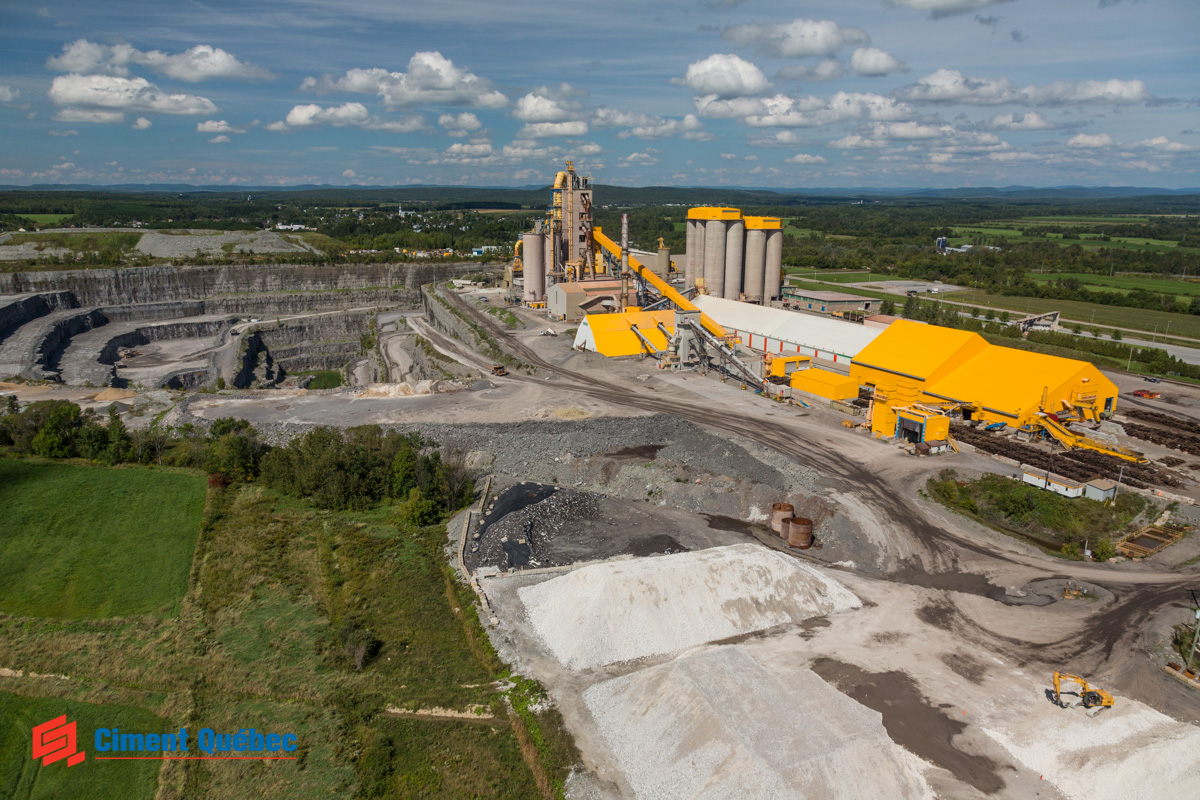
[1070,439]
[664,288]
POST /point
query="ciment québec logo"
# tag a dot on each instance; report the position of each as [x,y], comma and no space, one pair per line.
[55,740]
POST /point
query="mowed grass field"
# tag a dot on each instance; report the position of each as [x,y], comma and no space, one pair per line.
[1126,283]
[81,542]
[964,234]
[22,778]
[1138,319]
[46,219]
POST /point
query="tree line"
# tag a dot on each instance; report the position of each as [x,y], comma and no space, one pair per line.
[355,469]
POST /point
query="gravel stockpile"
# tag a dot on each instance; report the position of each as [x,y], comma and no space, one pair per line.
[1127,751]
[540,525]
[716,724]
[183,244]
[624,610]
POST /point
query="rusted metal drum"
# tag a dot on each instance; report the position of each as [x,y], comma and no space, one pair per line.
[799,533]
[780,512]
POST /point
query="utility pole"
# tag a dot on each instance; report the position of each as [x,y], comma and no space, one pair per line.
[1120,477]
[1195,634]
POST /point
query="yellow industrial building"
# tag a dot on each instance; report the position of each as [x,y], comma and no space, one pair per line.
[822,383]
[613,335]
[918,371]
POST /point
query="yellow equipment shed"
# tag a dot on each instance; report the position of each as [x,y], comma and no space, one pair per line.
[613,335]
[822,383]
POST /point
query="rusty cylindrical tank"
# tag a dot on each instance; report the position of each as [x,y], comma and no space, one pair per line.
[780,512]
[800,533]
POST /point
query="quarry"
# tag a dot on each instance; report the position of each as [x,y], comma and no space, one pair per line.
[627,549]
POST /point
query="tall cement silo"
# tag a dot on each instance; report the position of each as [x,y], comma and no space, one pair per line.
[756,261]
[774,271]
[694,263]
[714,257]
[734,235]
[534,261]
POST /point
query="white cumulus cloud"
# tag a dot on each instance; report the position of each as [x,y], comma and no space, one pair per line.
[805,158]
[909,130]
[460,124]
[811,112]
[1090,141]
[951,86]
[217,126]
[799,38]
[89,115]
[545,130]
[431,78]
[873,62]
[725,76]
[944,8]
[355,115]
[141,124]
[198,63]
[219,140]
[1029,121]
[123,94]
[8,93]
[1165,145]
[827,70]
[857,141]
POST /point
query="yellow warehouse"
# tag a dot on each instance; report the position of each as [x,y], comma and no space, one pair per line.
[911,363]
[613,335]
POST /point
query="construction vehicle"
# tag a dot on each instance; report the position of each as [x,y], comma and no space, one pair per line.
[1094,700]
[499,369]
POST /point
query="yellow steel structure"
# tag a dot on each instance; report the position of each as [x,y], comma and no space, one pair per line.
[613,335]
[715,212]
[822,383]
[760,223]
[911,364]
[665,289]
[782,366]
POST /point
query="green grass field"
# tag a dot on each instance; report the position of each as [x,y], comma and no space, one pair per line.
[322,378]
[83,542]
[79,242]
[46,219]
[22,778]
[1126,283]
[964,234]
[1138,319]
[833,276]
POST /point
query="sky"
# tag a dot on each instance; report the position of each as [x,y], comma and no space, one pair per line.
[748,93]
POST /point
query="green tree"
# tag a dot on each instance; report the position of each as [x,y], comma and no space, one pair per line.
[404,469]
[56,438]
[120,445]
[12,406]
[887,307]
[417,511]
[1116,335]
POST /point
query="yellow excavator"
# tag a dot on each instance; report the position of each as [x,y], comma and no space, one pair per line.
[1094,700]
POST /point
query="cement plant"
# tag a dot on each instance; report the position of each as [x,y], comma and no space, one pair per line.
[739,528]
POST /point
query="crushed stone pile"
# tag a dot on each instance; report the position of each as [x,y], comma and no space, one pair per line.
[410,389]
[1125,752]
[716,724]
[625,610]
[539,524]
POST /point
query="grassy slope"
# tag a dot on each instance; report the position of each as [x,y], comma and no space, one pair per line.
[21,777]
[80,241]
[256,645]
[85,542]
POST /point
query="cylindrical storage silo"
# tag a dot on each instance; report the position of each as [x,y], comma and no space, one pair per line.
[691,256]
[756,261]
[714,257]
[780,512]
[734,233]
[534,267]
[774,268]
[799,533]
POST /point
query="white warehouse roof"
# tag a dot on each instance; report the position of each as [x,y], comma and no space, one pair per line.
[807,331]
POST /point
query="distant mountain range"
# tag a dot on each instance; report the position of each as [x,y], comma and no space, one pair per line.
[535,195]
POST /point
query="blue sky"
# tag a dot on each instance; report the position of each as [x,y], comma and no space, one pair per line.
[692,92]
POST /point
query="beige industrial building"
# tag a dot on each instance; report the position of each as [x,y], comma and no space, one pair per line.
[825,302]
[570,302]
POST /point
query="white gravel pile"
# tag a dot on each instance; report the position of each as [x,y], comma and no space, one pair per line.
[1126,752]
[716,724]
[624,610]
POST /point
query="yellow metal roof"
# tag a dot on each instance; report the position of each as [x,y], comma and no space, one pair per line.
[919,350]
[763,223]
[613,335]
[1013,381]
[821,376]
[715,212]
